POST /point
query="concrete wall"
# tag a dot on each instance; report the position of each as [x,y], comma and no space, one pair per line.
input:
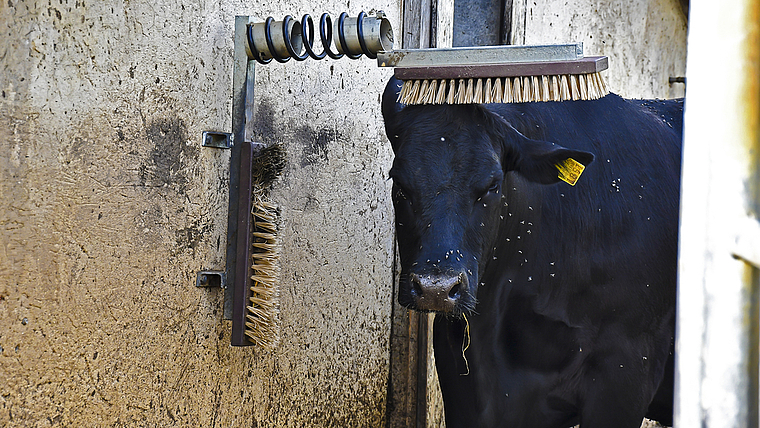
[109,206]
[645,40]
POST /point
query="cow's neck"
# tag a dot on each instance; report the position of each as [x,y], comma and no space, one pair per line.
[519,268]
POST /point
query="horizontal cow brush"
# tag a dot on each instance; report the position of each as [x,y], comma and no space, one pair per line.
[496,74]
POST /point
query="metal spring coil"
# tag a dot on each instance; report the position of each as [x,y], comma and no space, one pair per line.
[325,35]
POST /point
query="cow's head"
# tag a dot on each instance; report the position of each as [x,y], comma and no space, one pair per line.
[448,176]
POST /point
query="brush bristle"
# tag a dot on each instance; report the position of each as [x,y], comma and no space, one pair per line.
[504,90]
[262,324]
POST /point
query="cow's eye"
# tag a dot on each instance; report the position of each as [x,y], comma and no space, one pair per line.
[492,189]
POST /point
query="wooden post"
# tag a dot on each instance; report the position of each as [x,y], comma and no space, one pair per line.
[505,33]
[442,35]
[416,26]
[717,337]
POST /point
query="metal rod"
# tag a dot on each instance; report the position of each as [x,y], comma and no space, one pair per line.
[479,55]
[586,65]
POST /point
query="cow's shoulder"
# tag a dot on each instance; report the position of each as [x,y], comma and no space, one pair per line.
[668,111]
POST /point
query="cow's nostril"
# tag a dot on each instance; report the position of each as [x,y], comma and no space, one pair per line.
[416,285]
[437,292]
[455,291]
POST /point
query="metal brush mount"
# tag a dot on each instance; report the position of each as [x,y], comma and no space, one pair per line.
[289,38]
[262,42]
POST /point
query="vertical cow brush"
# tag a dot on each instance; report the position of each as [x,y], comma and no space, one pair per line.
[496,74]
[253,271]
[262,321]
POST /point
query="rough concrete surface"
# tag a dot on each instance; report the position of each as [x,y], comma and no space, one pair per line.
[110,206]
[645,40]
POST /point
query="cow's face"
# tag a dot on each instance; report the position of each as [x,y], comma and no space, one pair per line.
[447,186]
[448,173]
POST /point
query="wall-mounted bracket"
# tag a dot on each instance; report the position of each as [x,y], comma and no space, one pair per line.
[218,140]
[370,35]
[238,226]
[211,278]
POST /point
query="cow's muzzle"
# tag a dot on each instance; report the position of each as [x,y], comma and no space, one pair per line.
[438,292]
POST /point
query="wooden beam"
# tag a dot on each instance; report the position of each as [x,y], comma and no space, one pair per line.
[417,24]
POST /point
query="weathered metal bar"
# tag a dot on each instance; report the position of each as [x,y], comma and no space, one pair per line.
[249,104]
[243,113]
[241,284]
[423,354]
[239,73]
[479,55]
[581,66]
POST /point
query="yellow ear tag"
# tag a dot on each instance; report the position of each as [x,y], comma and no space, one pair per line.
[570,170]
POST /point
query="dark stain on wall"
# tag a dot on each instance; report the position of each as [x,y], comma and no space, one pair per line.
[315,144]
[190,237]
[170,156]
[312,143]
[264,127]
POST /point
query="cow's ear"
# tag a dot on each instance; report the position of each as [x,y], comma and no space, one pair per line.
[391,109]
[544,162]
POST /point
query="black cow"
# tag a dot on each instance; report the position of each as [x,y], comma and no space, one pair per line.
[556,304]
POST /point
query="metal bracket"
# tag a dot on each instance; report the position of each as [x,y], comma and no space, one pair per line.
[218,140]
[244,150]
[211,278]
